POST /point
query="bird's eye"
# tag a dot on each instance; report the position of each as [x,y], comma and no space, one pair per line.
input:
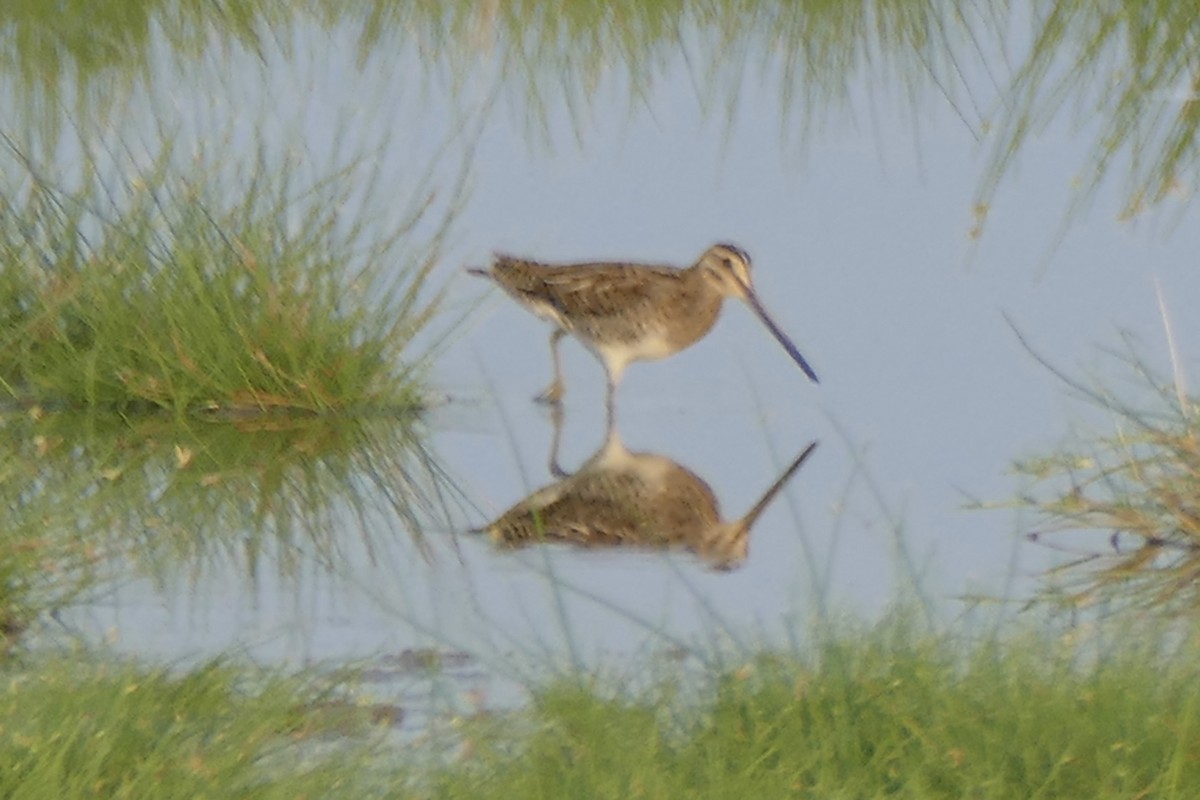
[728,262]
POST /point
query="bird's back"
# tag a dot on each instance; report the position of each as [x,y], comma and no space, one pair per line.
[609,302]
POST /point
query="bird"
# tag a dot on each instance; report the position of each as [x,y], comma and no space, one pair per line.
[641,501]
[624,312]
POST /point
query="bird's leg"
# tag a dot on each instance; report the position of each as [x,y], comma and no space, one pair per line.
[556,418]
[554,392]
[610,392]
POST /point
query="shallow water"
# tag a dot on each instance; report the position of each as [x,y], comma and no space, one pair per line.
[863,251]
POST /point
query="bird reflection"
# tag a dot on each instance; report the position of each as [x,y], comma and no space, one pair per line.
[637,500]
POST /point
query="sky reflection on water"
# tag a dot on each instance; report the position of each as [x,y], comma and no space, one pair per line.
[863,251]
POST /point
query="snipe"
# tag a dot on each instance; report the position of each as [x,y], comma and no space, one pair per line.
[641,501]
[632,312]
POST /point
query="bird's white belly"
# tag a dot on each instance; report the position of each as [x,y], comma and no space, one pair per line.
[650,347]
[619,354]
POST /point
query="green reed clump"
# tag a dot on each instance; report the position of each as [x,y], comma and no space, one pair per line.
[73,729]
[237,293]
[882,713]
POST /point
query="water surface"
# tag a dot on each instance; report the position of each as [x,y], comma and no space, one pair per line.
[865,247]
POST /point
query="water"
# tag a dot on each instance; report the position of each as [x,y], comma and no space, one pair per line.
[863,251]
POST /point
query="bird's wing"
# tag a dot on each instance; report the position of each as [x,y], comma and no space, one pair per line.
[604,290]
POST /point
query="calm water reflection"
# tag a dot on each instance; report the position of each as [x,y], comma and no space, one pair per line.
[635,501]
[860,241]
[266,499]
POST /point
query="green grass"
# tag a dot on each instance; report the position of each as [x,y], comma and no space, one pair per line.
[863,714]
[190,290]
[69,728]
[885,713]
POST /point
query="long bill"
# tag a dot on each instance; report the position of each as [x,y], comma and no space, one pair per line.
[780,336]
[752,515]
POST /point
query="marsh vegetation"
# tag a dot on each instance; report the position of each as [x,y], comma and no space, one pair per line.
[217,349]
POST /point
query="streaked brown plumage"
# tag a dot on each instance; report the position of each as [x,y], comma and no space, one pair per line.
[634,500]
[632,312]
